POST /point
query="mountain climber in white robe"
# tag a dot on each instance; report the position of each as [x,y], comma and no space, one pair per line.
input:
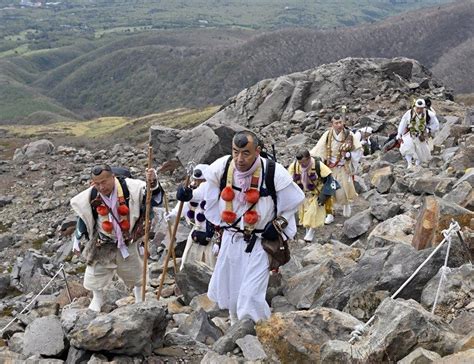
[240,279]
[341,151]
[198,246]
[417,127]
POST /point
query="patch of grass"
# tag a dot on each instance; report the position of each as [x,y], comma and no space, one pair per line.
[7,311]
[4,227]
[38,243]
[80,269]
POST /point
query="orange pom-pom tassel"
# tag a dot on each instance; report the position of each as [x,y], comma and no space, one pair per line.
[228,216]
[125,225]
[107,226]
[123,210]
[227,193]
[252,195]
[102,210]
[251,217]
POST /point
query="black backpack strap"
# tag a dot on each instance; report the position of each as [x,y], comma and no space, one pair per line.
[317,166]
[223,181]
[270,183]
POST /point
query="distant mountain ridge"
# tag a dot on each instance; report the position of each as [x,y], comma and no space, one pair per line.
[142,74]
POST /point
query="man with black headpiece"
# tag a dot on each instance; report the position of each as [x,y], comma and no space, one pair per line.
[240,201]
[109,212]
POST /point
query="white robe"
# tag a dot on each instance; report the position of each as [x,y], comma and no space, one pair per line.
[419,150]
[194,251]
[239,282]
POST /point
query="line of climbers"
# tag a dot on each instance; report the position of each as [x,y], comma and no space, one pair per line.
[242,209]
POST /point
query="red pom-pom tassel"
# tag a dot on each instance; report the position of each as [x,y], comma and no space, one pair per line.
[252,195]
[228,216]
[107,226]
[227,194]
[125,225]
[102,210]
[123,210]
[251,217]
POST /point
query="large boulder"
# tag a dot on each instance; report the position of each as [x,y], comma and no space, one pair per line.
[358,224]
[164,142]
[457,287]
[199,327]
[296,337]
[382,209]
[207,142]
[45,336]
[399,327]
[193,280]
[382,179]
[34,149]
[228,342]
[305,287]
[385,269]
[133,329]
[398,229]
[345,256]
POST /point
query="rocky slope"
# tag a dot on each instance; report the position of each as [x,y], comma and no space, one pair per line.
[330,286]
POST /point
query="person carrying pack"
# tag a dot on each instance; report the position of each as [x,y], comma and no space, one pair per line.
[241,202]
[416,128]
[315,179]
[110,212]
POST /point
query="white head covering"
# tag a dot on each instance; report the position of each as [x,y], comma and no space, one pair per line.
[367,130]
[200,170]
[420,103]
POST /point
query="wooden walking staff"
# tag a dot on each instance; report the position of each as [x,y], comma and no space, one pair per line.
[147,224]
[170,232]
[173,236]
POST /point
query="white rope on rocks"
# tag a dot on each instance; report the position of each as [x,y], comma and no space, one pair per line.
[453,228]
[61,268]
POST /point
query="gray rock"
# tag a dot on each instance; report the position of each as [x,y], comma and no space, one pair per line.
[392,156]
[7,239]
[251,348]
[385,269]
[305,287]
[215,358]
[177,339]
[164,142]
[281,304]
[38,148]
[464,323]
[431,185]
[382,209]
[399,326]
[207,142]
[59,185]
[463,357]
[458,282]
[199,327]
[45,336]
[396,230]
[468,176]
[420,356]
[15,343]
[445,131]
[358,224]
[6,200]
[77,356]
[32,274]
[400,66]
[228,342]
[193,280]
[382,179]
[133,329]
[460,194]
[203,302]
[4,284]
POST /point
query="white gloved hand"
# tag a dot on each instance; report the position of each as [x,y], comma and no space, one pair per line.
[348,154]
[399,137]
[169,216]
[215,249]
